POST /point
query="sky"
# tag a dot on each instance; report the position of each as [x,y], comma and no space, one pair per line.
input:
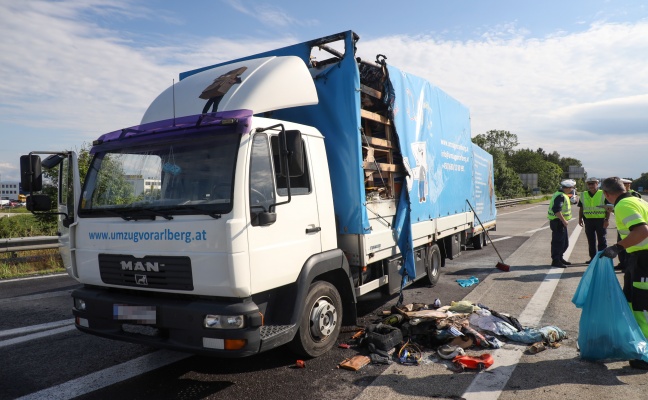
[566,76]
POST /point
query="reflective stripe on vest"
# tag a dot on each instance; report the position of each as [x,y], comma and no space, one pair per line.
[628,212]
[591,205]
[566,207]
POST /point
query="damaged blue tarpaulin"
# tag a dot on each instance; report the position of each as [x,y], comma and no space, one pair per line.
[403,228]
[433,132]
[607,328]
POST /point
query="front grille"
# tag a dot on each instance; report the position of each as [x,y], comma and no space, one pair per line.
[152,272]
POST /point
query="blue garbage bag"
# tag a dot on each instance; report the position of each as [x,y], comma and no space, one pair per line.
[607,328]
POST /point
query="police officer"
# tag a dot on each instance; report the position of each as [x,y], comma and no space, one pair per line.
[558,214]
[631,216]
[594,216]
[623,255]
[626,184]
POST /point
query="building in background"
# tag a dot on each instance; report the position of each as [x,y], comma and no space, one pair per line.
[9,190]
[142,185]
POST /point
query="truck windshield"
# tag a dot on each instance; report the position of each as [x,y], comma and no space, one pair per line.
[186,175]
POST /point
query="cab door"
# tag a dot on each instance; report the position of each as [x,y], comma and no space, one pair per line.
[279,250]
[68,199]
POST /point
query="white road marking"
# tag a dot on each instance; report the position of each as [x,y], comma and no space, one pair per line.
[34,336]
[36,328]
[33,277]
[109,376]
[502,238]
[490,386]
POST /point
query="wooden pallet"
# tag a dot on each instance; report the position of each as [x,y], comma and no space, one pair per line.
[381,158]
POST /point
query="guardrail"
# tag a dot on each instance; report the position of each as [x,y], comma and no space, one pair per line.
[511,202]
[28,243]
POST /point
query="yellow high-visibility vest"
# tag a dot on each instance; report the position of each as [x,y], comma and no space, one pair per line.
[591,205]
[566,208]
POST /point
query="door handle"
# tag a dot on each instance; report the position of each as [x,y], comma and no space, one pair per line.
[313,230]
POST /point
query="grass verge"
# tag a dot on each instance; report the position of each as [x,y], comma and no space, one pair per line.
[28,263]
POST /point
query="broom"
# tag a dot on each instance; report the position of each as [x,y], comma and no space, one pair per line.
[500,265]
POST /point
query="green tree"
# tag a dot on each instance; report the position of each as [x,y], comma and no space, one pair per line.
[642,181]
[507,181]
[497,140]
[527,161]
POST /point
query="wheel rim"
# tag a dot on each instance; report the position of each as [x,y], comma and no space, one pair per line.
[435,263]
[323,318]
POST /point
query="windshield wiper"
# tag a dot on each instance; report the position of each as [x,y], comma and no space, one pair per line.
[164,215]
[121,214]
[212,214]
[132,215]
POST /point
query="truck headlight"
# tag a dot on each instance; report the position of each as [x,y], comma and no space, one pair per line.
[79,304]
[224,321]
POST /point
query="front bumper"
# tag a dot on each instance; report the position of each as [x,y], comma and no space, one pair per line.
[178,321]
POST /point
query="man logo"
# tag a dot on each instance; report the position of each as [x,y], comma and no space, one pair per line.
[140,266]
[141,280]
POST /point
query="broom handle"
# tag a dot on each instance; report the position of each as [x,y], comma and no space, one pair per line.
[485,231]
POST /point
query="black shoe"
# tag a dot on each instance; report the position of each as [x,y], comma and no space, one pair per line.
[619,267]
[558,264]
[588,261]
[565,262]
[639,364]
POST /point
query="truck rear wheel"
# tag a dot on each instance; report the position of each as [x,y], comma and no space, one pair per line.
[433,264]
[320,322]
[478,241]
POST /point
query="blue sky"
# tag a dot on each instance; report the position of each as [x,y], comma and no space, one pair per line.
[567,76]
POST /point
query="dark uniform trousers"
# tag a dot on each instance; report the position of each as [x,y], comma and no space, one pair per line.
[635,288]
[595,232]
[559,239]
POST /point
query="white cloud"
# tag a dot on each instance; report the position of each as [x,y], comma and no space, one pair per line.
[66,80]
[566,92]
[626,115]
[269,15]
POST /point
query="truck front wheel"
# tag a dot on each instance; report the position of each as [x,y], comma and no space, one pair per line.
[320,321]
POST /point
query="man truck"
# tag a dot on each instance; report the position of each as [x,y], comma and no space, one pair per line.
[259,198]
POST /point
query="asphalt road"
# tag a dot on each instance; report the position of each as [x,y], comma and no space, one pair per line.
[44,356]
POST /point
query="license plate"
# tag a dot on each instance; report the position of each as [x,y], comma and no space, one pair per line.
[139,314]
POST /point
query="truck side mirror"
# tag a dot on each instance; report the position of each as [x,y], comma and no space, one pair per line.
[31,178]
[266,218]
[295,148]
[39,202]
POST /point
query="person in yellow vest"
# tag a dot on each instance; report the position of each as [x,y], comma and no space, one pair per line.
[594,216]
[559,214]
[623,255]
[631,216]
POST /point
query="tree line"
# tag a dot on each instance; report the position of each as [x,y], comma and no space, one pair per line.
[551,167]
